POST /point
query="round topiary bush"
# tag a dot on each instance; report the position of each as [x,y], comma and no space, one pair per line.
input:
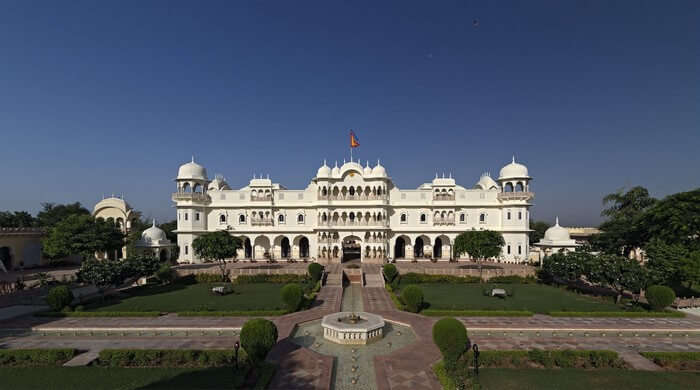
[59,297]
[390,272]
[450,336]
[292,296]
[258,336]
[412,297]
[315,271]
[660,297]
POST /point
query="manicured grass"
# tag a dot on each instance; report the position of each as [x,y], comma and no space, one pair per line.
[526,297]
[628,314]
[181,297]
[573,379]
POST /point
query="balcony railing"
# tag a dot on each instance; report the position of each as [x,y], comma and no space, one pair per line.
[262,222]
[340,222]
[443,221]
[515,195]
[260,198]
[443,197]
[192,196]
[353,197]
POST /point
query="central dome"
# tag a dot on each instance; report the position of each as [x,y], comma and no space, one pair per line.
[192,170]
[557,233]
[513,170]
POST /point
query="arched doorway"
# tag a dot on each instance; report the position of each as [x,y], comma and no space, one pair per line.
[163,255]
[304,247]
[247,249]
[286,250]
[6,258]
[400,248]
[418,248]
[352,248]
[437,250]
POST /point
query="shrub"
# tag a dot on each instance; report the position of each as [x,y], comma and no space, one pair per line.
[166,358]
[263,278]
[165,274]
[549,358]
[315,271]
[390,272]
[450,336]
[208,278]
[414,278]
[660,297]
[98,314]
[412,297]
[35,357]
[292,296]
[512,279]
[258,336]
[675,360]
[59,297]
[232,313]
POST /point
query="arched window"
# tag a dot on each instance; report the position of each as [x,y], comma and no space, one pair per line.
[352,191]
[403,218]
[241,218]
[280,218]
[482,217]
[196,216]
[520,250]
[324,217]
[423,218]
[509,215]
[300,218]
[222,218]
[520,215]
[462,217]
[508,187]
[186,216]
[519,187]
[508,249]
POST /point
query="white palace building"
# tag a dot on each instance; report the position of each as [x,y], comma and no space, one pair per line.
[353,212]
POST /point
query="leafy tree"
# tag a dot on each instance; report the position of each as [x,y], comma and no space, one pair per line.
[165,274]
[217,246]
[623,231]
[258,336]
[82,235]
[101,273]
[53,213]
[538,228]
[479,244]
[59,297]
[567,267]
[134,234]
[139,266]
[618,273]
[17,219]
[672,264]
[674,220]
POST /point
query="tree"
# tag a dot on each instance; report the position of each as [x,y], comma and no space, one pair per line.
[169,229]
[52,213]
[538,228]
[412,296]
[258,336]
[217,246]
[82,235]
[660,297]
[566,267]
[618,273]
[674,220]
[101,273]
[315,271]
[134,235]
[17,219]
[451,338]
[479,244]
[59,297]
[672,264]
[623,231]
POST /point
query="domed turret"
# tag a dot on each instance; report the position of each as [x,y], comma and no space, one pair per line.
[153,235]
[335,172]
[378,170]
[324,171]
[513,171]
[218,184]
[367,171]
[486,182]
[556,233]
[192,170]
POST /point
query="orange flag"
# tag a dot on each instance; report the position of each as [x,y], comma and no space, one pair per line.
[354,142]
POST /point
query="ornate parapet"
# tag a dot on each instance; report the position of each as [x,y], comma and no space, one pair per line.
[505,196]
[191,196]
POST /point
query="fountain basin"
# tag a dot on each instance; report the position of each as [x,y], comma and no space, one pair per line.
[343,328]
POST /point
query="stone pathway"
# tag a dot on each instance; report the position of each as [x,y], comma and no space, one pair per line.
[83,359]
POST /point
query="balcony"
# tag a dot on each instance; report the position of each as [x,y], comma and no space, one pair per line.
[353,197]
[191,196]
[505,196]
[262,222]
[443,222]
[340,222]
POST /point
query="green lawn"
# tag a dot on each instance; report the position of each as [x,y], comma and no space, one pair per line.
[96,378]
[573,379]
[533,297]
[196,297]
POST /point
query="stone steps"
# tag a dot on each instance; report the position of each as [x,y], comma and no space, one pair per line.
[374,280]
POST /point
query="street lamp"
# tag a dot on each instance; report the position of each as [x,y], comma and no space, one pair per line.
[235,347]
[476,360]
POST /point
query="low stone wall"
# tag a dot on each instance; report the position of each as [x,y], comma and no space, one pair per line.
[684,303]
[487,273]
[213,269]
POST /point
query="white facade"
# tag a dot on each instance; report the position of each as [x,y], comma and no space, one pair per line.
[353,211]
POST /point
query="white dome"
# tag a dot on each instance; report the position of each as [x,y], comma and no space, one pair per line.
[192,170]
[218,184]
[153,235]
[378,170]
[350,166]
[557,233]
[335,171]
[367,171]
[513,170]
[324,171]
[486,182]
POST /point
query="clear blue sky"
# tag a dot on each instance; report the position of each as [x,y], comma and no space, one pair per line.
[110,97]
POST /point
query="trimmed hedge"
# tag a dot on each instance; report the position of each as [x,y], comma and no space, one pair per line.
[315,271]
[660,297]
[98,314]
[412,297]
[450,336]
[413,278]
[390,272]
[208,278]
[263,278]
[258,336]
[512,279]
[683,361]
[167,358]
[233,313]
[59,297]
[549,359]
[35,357]
[628,314]
[477,313]
[292,296]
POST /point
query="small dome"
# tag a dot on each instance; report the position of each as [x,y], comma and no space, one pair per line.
[557,233]
[513,170]
[350,166]
[378,170]
[335,171]
[324,171]
[486,182]
[367,171]
[192,170]
[153,235]
[218,184]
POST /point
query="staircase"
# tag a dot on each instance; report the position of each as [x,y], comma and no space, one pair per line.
[373,275]
[334,278]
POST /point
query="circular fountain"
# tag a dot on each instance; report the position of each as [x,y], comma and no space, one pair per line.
[352,328]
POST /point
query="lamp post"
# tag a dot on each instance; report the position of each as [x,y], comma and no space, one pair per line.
[235,347]
[476,360]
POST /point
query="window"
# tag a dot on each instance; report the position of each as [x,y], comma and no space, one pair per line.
[241,196]
[186,216]
[186,249]
[300,218]
[241,219]
[508,249]
[196,216]
[482,218]
[423,218]
[403,218]
[222,218]
[520,215]
[280,218]
[520,250]
[462,218]
[509,215]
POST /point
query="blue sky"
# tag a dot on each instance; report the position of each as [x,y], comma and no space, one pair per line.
[110,97]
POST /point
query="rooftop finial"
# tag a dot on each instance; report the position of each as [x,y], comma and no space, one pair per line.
[336,163]
[513,159]
[154,222]
[193,158]
[557,221]
[324,162]
[378,163]
[268,176]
